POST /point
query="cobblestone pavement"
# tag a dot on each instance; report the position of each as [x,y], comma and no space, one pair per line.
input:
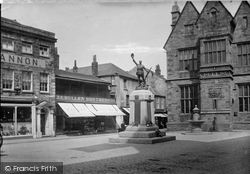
[93,154]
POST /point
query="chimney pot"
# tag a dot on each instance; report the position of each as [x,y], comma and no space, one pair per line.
[94,66]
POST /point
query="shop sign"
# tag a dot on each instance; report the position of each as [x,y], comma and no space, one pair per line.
[85,99]
[15,59]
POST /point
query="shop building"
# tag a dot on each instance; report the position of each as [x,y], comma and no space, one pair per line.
[84,104]
[208,65]
[28,60]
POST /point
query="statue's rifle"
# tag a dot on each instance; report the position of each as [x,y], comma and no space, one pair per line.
[148,73]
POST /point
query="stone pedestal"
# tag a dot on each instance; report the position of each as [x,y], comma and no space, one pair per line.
[141,128]
[196,123]
[196,126]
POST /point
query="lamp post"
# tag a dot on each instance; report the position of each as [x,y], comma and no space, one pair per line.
[35,99]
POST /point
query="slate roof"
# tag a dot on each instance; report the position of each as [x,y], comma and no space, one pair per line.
[107,69]
[62,74]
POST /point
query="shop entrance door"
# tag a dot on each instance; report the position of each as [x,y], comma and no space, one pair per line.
[43,122]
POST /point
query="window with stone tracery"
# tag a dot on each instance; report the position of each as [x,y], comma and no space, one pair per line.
[215,51]
[244,98]
[189,98]
[243,55]
[188,59]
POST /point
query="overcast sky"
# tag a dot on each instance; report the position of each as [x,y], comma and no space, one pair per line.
[111,31]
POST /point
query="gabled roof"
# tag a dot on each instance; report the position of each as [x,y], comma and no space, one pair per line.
[179,18]
[78,77]
[241,4]
[213,2]
[107,69]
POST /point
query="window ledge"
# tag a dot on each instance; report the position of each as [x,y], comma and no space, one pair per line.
[47,57]
[44,92]
[27,92]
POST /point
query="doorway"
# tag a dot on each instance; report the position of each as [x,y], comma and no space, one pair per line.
[43,121]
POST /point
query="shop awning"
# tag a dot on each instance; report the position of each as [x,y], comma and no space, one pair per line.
[104,110]
[126,110]
[160,115]
[76,110]
[82,108]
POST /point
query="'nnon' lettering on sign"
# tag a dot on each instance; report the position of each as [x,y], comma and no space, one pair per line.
[8,58]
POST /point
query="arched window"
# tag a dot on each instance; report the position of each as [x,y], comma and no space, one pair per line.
[213,15]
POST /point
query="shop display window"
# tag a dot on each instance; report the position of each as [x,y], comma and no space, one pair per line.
[22,125]
[7,121]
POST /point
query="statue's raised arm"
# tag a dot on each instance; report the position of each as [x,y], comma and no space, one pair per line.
[132,55]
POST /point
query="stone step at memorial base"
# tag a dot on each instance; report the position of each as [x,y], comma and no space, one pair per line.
[142,135]
[142,140]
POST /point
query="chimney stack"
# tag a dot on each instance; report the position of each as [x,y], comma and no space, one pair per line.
[158,70]
[94,66]
[75,69]
[175,14]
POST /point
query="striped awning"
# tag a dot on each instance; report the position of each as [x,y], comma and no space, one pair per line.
[127,110]
[104,110]
[76,110]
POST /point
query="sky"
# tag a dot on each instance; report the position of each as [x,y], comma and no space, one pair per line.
[111,30]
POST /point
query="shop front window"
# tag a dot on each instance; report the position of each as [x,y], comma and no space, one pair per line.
[24,125]
[21,125]
[7,121]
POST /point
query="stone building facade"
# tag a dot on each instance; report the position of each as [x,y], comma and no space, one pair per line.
[208,64]
[28,60]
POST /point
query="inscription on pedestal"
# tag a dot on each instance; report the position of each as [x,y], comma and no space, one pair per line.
[137,110]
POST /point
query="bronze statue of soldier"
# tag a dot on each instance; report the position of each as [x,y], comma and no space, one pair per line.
[140,72]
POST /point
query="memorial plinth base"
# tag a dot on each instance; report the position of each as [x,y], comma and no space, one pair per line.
[141,135]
